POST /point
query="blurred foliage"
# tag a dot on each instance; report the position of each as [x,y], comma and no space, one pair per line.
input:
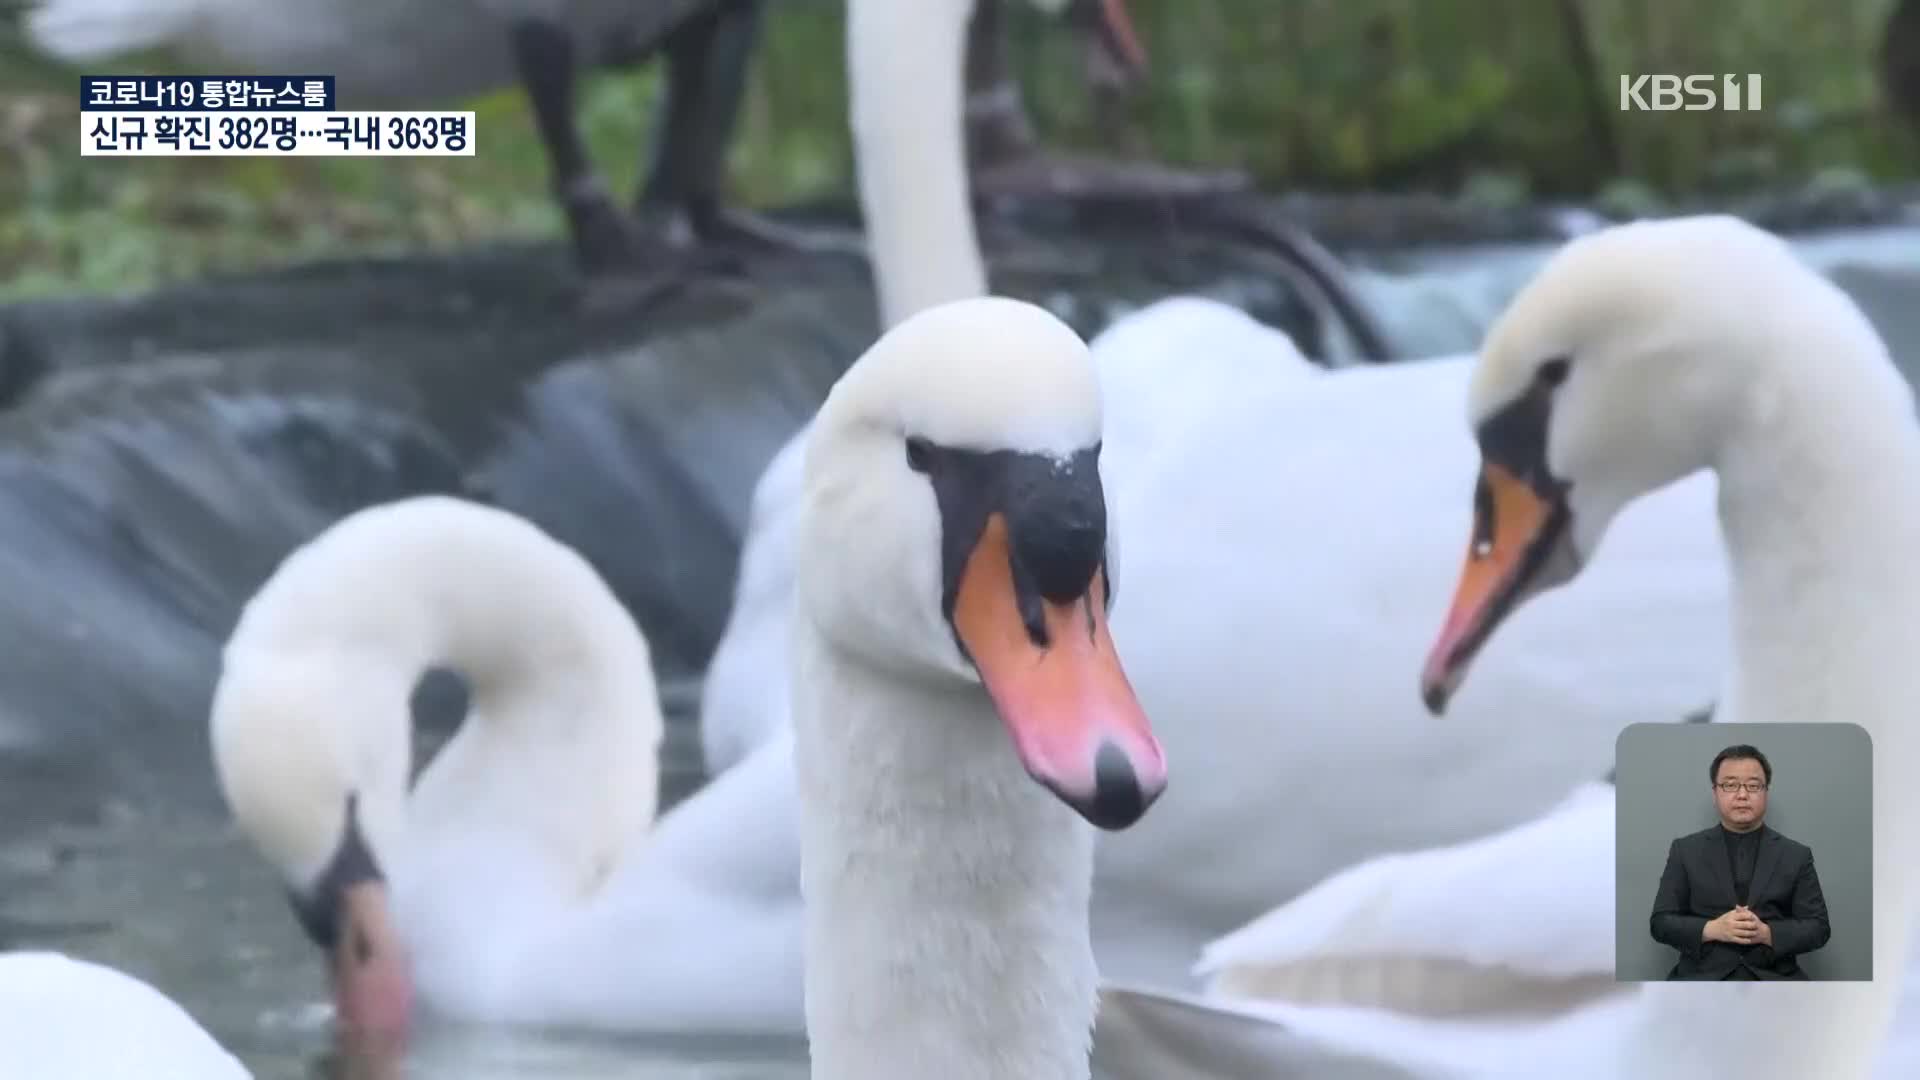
[1482,98]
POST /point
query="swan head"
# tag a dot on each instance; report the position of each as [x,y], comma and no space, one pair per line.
[1620,368]
[954,533]
[314,784]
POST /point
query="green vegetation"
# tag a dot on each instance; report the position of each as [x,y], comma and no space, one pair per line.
[1468,96]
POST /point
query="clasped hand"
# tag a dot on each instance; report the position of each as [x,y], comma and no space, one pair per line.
[1739,926]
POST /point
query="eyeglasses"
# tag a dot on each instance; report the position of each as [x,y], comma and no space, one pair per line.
[1753,787]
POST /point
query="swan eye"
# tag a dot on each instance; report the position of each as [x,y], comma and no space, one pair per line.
[1553,372]
[919,454]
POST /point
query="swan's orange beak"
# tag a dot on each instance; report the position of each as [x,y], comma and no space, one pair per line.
[372,983]
[1518,550]
[1057,683]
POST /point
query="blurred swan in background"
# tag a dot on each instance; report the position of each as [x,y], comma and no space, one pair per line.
[68,1019]
[1627,365]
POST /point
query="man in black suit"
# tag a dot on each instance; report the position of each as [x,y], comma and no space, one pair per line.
[1739,900]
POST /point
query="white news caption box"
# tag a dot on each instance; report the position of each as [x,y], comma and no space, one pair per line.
[232,133]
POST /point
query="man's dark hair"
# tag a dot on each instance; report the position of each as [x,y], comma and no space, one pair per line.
[1740,752]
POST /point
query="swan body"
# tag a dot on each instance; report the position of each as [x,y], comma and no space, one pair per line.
[68,1019]
[469,883]
[1639,364]
[958,701]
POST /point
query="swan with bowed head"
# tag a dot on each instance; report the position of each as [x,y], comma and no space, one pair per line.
[474,882]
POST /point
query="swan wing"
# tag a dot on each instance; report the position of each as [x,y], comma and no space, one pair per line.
[1390,919]
[1151,1034]
[1148,1035]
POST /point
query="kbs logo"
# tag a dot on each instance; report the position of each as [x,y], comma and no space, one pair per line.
[1694,93]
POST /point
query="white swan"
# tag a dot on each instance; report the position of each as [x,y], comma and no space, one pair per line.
[1705,344]
[68,1019]
[958,701]
[1285,539]
[518,883]
[1637,357]
[471,884]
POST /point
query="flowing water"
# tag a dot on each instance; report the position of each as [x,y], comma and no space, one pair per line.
[171,451]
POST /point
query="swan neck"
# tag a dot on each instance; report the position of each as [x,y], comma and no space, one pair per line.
[1818,506]
[557,750]
[946,893]
[1818,511]
[907,81]
[561,738]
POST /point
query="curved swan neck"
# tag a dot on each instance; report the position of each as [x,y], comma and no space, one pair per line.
[1820,506]
[906,77]
[314,702]
[946,893]
[1820,515]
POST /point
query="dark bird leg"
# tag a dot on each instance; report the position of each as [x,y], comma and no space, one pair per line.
[603,238]
[1005,156]
[680,202]
[1898,59]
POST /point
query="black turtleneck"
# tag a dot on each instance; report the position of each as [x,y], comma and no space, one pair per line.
[1742,848]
